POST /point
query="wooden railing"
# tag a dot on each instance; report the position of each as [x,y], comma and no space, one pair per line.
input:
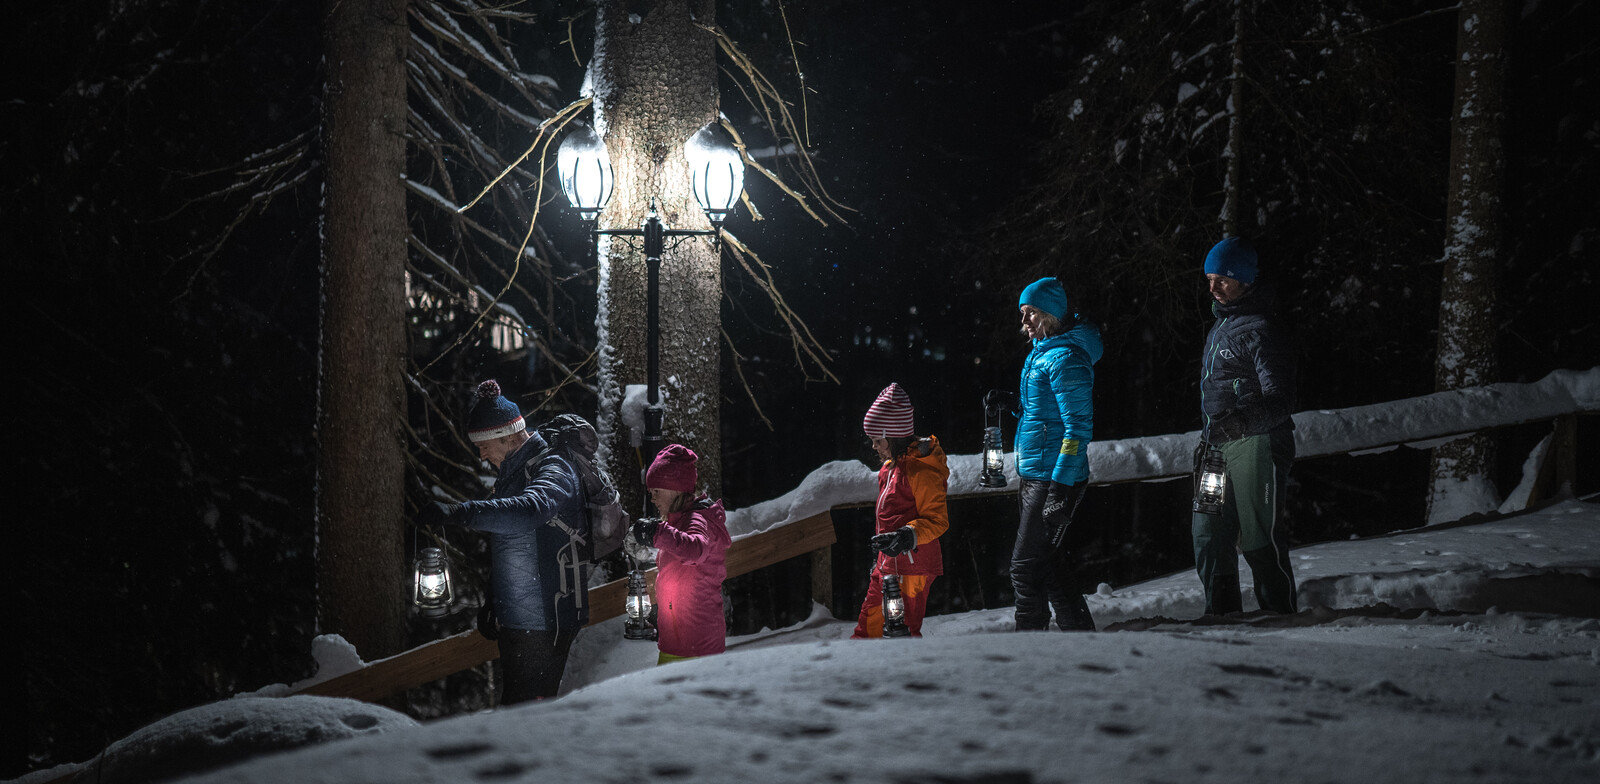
[464,651]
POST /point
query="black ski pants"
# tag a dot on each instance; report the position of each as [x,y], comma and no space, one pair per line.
[531,663]
[1036,568]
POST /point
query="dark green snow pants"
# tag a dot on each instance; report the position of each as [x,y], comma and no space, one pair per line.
[1258,472]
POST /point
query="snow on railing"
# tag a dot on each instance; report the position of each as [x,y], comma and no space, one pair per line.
[1421,422]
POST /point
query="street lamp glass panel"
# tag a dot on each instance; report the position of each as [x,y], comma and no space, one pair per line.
[718,171]
[585,171]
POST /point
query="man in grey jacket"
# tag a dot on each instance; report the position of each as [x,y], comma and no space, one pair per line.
[1247,394]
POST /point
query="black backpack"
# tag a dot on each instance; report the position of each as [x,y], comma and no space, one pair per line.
[604,524]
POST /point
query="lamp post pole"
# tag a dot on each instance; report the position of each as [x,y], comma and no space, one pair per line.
[654,233]
[654,245]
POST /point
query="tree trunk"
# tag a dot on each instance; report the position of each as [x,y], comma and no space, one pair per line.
[1235,154]
[1462,471]
[655,84]
[361,405]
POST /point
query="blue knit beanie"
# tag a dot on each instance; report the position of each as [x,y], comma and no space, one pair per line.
[1046,294]
[1234,258]
[493,416]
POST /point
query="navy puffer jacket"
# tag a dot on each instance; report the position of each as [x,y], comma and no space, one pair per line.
[537,583]
[1247,382]
[1057,397]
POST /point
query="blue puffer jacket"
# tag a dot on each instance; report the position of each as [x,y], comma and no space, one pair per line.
[1057,397]
[1247,385]
[536,585]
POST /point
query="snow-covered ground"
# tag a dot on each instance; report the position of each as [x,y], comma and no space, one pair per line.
[1465,653]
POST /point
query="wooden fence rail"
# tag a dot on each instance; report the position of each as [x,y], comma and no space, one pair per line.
[469,649]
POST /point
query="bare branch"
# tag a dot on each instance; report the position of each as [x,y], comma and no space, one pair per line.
[738,367]
[804,344]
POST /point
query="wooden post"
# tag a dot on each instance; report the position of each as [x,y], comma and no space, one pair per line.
[822,576]
[1564,453]
[1557,463]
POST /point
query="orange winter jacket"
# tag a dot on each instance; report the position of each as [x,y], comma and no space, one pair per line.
[911,491]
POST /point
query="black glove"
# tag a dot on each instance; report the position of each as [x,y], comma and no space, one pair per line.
[997,400]
[892,544]
[488,624]
[644,531]
[435,513]
[1059,504]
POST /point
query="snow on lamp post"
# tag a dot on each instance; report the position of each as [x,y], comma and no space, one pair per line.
[584,168]
[894,608]
[1210,480]
[431,591]
[639,625]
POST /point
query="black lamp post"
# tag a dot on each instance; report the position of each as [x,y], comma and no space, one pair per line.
[584,168]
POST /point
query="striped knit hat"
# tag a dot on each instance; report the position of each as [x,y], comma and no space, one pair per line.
[890,414]
[493,416]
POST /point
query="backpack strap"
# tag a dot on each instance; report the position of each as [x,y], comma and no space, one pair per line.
[531,468]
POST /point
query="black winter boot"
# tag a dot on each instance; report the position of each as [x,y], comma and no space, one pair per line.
[1274,579]
[1072,613]
[1222,595]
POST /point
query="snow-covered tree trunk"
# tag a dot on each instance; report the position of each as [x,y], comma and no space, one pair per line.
[1235,152]
[1462,481]
[361,405]
[655,84]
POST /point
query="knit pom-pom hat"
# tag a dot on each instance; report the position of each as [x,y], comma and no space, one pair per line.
[890,415]
[493,416]
[673,469]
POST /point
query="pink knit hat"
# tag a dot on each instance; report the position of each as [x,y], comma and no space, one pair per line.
[890,414]
[673,469]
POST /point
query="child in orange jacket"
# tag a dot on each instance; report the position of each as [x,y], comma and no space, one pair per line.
[910,512]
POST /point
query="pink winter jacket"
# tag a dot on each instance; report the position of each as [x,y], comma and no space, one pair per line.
[689,574]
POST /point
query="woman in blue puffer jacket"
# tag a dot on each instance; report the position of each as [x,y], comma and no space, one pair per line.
[1056,406]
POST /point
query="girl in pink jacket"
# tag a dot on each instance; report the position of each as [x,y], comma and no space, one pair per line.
[692,537]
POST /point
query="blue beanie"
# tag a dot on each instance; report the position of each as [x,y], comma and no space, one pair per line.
[493,416]
[1046,294]
[1234,258]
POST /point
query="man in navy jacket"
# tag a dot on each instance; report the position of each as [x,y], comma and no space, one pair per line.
[1247,394]
[540,594]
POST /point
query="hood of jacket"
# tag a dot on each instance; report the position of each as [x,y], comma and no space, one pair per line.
[1084,336]
[925,452]
[712,510]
